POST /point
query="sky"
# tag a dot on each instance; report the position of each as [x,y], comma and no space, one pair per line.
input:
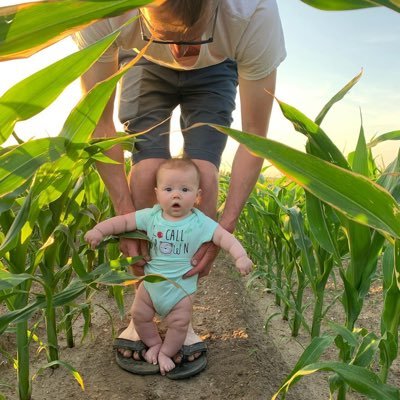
[325,51]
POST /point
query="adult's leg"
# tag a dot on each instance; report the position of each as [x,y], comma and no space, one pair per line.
[148,97]
[143,319]
[147,100]
[208,95]
[178,320]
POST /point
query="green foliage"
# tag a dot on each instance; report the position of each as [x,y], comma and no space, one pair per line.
[345,215]
[339,5]
[26,29]
[50,195]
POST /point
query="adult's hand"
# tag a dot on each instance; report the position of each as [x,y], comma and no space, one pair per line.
[133,248]
[203,260]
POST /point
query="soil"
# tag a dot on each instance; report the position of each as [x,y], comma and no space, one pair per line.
[244,362]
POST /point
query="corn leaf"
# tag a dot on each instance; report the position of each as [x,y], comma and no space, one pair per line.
[347,335]
[94,188]
[358,378]
[33,94]
[113,277]
[118,295]
[67,366]
[27,28]
[7,201]
[320,225]
[303,243]
[21,314]
[369,269]
[118,264]
[357,197]
[134,235]
[11,239]
[391,308]
[367,350]
[320,143]
[53,180]
[359,238]
[312,353]
[352,303]
[98,145]
[342,5]
[361,156]
[388,347]
[393,135]
[337,97]
[70,293]
[18,165]
[9,281]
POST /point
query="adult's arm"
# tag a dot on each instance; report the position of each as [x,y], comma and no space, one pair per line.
[113,175]
[256,107]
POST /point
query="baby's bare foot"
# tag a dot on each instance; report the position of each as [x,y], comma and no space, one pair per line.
[151,355]
[166,364]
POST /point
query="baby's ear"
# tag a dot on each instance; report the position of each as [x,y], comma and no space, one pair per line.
[198,197]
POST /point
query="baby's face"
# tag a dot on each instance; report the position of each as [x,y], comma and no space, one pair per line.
[177,192]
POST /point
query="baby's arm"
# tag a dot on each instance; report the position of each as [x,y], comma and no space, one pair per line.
[228,242]
[111,226]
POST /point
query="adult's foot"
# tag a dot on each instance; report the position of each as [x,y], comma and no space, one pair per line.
[191,338]
[130,333]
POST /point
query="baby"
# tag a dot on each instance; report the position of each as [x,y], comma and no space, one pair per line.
[176,230]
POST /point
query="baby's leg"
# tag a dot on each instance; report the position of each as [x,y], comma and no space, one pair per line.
[143,318]
[178,321]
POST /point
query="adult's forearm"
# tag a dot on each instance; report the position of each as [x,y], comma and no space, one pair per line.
[256,107]
[115,180]
[244,175]
[113,175]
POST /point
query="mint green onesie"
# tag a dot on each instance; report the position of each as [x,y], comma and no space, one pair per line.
[173,244]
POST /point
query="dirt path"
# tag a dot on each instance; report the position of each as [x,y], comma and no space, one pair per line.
[243,363]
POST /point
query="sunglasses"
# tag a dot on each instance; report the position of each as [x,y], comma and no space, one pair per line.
[147,38]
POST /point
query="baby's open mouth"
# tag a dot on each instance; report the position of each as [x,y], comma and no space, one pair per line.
[176,205]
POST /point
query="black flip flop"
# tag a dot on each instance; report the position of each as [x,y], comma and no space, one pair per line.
[186,369]
[138,367]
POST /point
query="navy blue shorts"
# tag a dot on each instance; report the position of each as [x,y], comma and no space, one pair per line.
[149,94]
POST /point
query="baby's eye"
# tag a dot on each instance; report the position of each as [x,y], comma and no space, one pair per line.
[185,190]
[168,189]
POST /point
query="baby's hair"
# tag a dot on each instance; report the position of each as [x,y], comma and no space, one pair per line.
[180,163]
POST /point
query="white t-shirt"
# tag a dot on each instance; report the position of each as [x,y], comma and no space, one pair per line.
[247,31]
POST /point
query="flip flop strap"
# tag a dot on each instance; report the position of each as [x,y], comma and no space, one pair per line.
[133,345]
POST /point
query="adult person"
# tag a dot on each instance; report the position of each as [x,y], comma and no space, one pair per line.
[200,51]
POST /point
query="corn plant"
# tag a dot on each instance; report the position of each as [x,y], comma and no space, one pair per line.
[341,5]
[357,198]
[47,169]
[27,165]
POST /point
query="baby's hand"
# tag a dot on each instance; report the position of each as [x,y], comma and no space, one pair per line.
[93,237]
[244,265]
